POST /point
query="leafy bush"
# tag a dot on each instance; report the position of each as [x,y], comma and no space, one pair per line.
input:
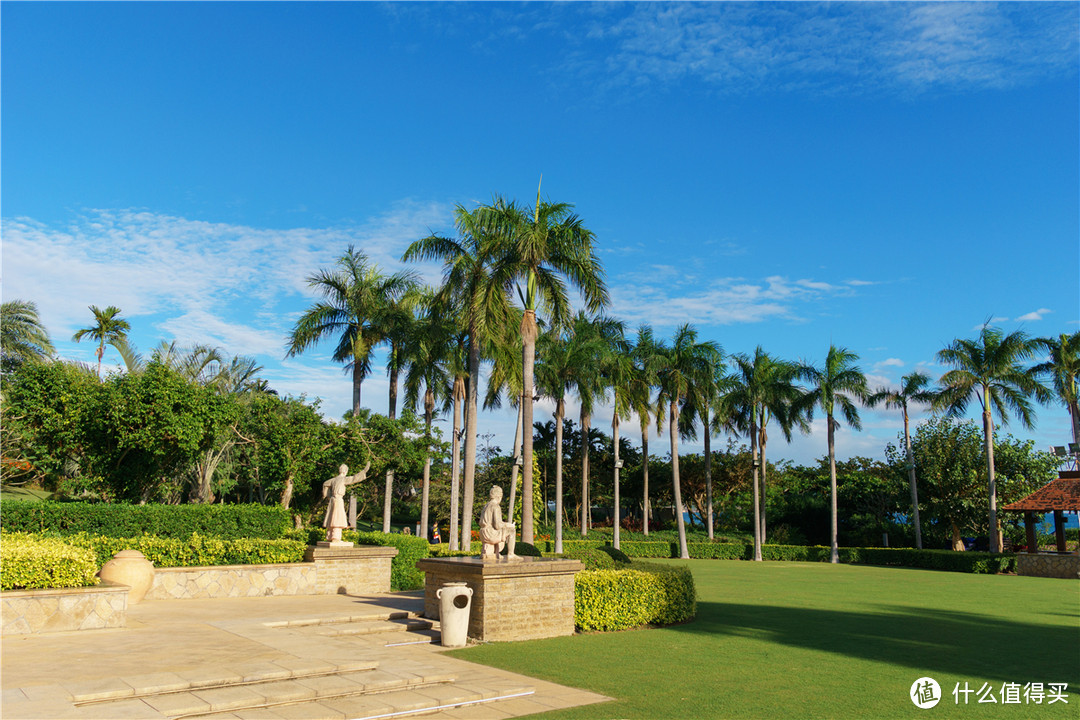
[33,563]
[549,545]
[524,549]
[641,594]
[646,549]
[591,558]
[617,555]
[166,521]
[195,551]
[719,551]
[403,572]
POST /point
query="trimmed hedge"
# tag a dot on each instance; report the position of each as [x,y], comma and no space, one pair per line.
[195,551]
[646,549]
[592,558]
[168,521]
[29,563]
[403,572]
[641,594]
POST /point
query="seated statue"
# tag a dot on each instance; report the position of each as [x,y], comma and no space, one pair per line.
[333,490]
[494,533]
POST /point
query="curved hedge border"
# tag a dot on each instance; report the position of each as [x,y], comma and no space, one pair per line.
[641,594]
[29,563]
[167,521]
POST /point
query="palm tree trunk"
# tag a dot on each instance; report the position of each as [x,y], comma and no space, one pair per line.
[429,407]
[645,477]
[615,438]
[834,553]
[764,472]
[395,353]
[455,466]
[470,440]
[528,355]
[708,477]
[756,466]
[357,379]
[559,409]
[1074,413]
[991,485]
[674,420]
[585,420]
[514,469]
[914,487]
[387,495]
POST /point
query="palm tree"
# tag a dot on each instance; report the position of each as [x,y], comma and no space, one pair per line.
[914,387]
[762,387]
[22,336]
[1063,367]
[834,386]
[700,404]
[679,367]
[989,368]
[356,295]
[425,362]
[540,246]
[395,325]
[482,306]
[644,380]
[108,329]
[618,370]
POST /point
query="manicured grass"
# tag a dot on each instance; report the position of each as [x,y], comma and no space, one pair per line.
[811,640]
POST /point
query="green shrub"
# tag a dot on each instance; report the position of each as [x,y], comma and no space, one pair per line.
[549,545]
[403,572]
[525,549]
[29,563]
[167,521]
[641,594]
[195,551]
[719,551]
[617,555]
[646,548]
[591,558]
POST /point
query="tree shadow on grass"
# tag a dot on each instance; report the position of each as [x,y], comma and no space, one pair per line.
[926,640]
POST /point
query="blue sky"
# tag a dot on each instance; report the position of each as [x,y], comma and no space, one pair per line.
[885,177]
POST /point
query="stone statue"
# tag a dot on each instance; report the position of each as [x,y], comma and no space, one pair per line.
[494,533]
[334,491]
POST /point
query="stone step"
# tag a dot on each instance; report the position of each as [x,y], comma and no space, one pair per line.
[343,619]
[373,627]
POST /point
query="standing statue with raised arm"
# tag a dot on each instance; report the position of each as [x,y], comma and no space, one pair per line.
[494,533]
[333,490]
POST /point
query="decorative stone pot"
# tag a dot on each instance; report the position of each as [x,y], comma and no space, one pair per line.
[131,568]
[455,601]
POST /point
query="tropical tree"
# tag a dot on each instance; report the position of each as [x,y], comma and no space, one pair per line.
[22,336]
[540,246]
[356,295]
[643,381]
[1063,367]
[678,368]
[482,306]
[834,387]
[989,368]
[618,370]
[701,402]
[914,387]
[425,359]
[108,329]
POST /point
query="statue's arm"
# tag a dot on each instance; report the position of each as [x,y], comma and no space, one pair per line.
[353,479]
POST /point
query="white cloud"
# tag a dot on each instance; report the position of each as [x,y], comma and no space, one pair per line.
[1034,315]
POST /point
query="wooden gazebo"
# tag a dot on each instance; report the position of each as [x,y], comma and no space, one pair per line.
[1059,496]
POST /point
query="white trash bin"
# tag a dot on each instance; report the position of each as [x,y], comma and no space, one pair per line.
[455,601]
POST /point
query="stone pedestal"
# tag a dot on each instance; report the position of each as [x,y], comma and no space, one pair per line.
[344,568]
[523,599]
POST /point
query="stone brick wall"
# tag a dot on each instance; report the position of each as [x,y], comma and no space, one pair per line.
[40,611]
[225,581]
[527,599]
[1048,565]
[364,569]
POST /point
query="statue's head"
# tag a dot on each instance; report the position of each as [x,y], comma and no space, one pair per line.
[496,492]
[343,470]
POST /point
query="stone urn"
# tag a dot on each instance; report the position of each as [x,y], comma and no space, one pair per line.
[131,568]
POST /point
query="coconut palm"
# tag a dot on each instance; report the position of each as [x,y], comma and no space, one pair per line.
[541,246]
[1063,367]
[679,367]
[108,329]
[989,369]
[482,306]
[914,388]
[395,325]
[425,360]
[354,306]
[834,386]
[22,336]
[701,402]
[643,381]
[617,367]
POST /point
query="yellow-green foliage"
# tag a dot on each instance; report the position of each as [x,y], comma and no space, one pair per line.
[643,594]
[28,563]
[196,551]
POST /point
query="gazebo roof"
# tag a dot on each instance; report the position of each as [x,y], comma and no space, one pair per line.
[1060,494]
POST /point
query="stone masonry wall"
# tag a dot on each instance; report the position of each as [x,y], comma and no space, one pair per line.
[39,611]
[1048,565]
[226,581]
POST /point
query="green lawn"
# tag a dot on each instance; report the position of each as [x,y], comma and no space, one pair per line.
[812,640]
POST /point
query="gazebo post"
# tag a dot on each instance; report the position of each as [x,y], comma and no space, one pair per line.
[1059,530]
[1032,537]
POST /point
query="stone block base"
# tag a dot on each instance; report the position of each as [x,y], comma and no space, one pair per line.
[223,581]
[57,610]
[349,569]
[524,599]
[1048,565]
